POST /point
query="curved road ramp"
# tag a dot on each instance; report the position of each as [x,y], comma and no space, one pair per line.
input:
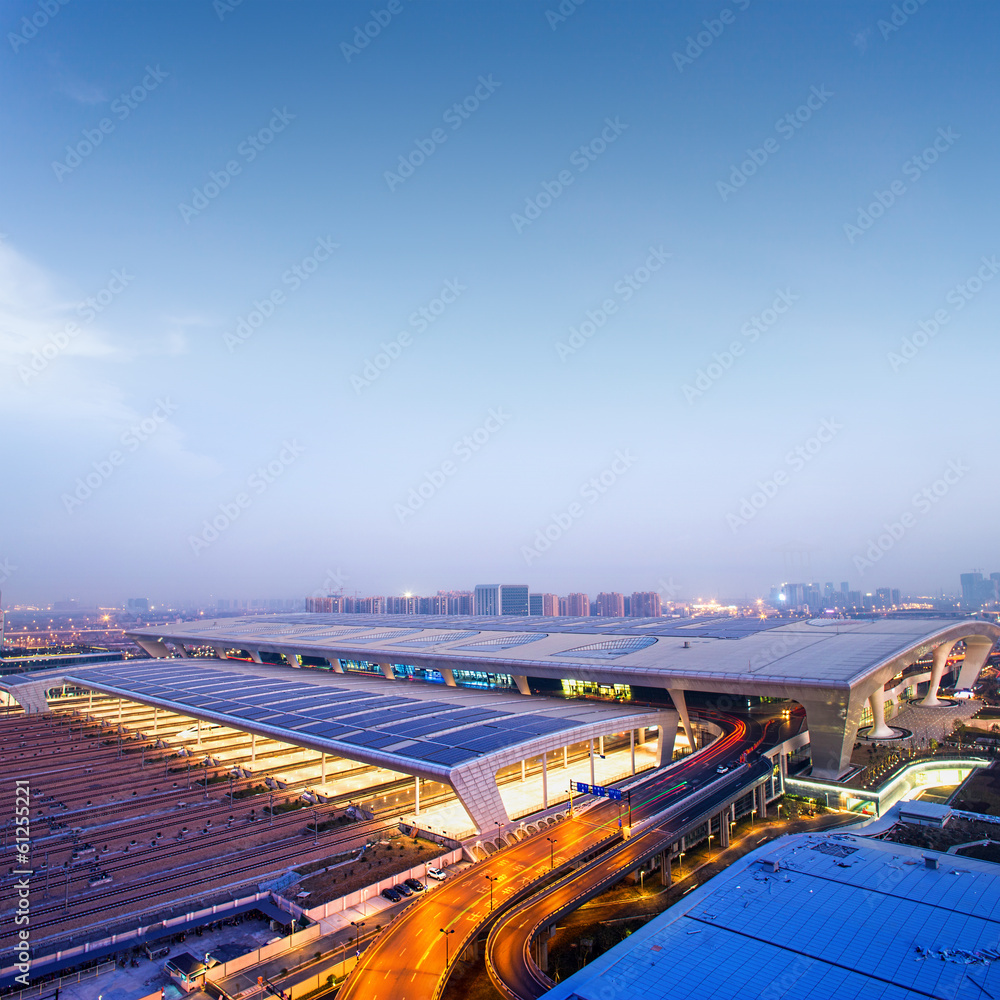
[413,956]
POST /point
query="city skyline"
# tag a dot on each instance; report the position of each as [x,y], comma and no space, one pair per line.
[559,297]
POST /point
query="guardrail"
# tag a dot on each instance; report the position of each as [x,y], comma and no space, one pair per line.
[60,982]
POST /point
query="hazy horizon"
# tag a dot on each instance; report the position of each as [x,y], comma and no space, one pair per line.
[628,297]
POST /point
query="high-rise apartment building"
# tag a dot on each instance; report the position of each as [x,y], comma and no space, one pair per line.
[611,605]
[977,591]
[501,599]
[578,605]
[646,604]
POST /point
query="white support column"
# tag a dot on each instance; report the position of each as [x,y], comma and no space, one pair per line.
[253,748]
[322,768]
[601,750]
[254,655]
[677,697]
[545,783]
[294,660]
[449,677]
[181,651]
[336,666]
[156,713]
[416,795]
[119,711]
[879,730]
[565,756]
[631,747]
[522,770]
[522,683]
[977,649]
[939,663]
[199,733]
[591,744]
[665,745]
[387,671]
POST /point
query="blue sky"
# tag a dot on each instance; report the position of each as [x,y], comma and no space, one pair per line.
[584,150]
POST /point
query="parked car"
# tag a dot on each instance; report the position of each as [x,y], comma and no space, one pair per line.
[436,873]
[403,888]
[389,893]
[415,884]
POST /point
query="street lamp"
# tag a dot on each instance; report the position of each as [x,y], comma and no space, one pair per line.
[709,847]
[642,880]
[358,924]
[491,879]
[446,933]
[552,845]
[499,832]
[681,856]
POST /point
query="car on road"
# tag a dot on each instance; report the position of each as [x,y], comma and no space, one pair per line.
[722,769]
[403,888]
[390,893]
[436,873]
[415,884]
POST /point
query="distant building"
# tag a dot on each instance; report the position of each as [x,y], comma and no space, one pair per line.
[458,602]
[645,604]
[137,605]
[611,605]
[501,599]
[977,592]
[578,605]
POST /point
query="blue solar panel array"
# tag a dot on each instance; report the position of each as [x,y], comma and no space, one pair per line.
[433,731]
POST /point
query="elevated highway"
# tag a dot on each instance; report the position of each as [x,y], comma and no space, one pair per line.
[509,958]
[412,957]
